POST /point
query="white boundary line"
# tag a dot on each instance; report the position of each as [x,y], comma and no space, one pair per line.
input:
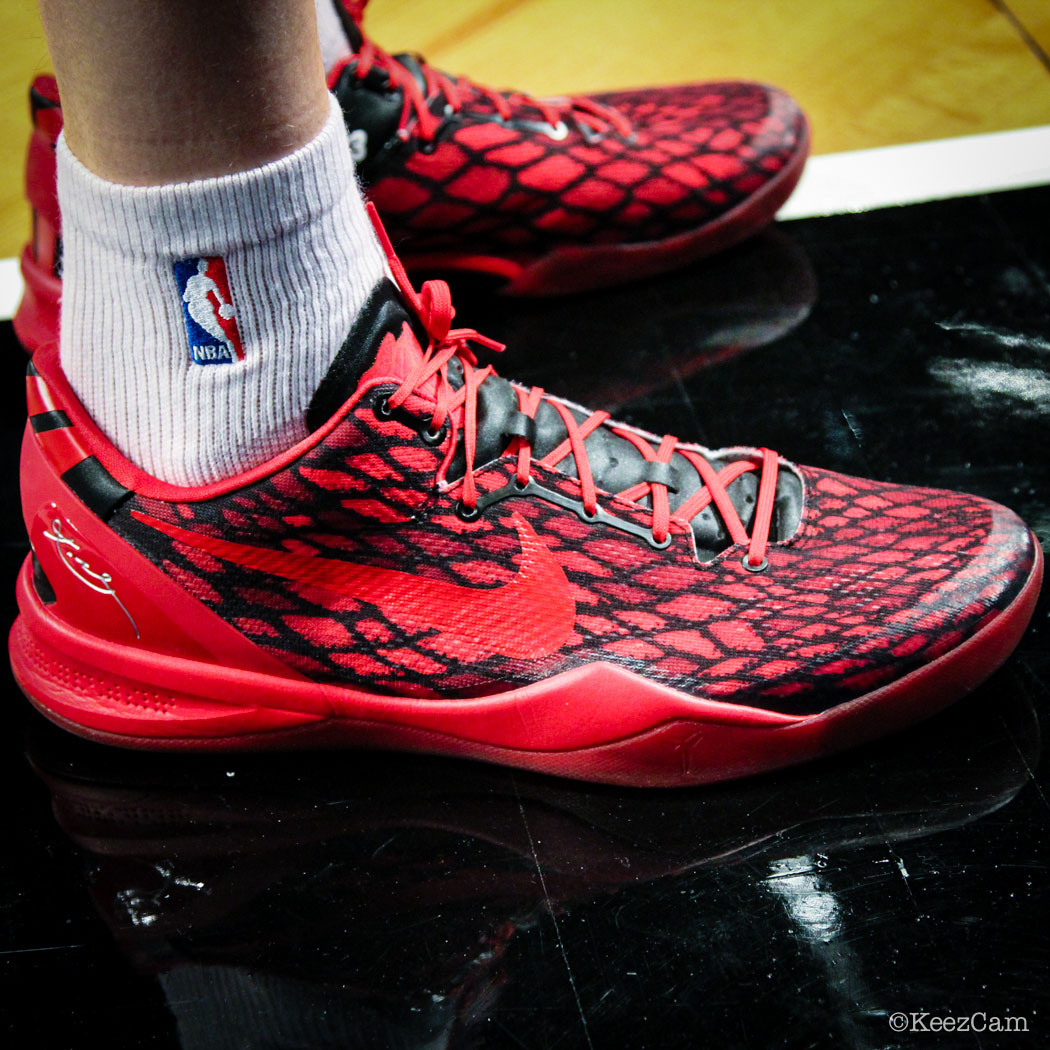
[10,288]
[864,179]
[837,183]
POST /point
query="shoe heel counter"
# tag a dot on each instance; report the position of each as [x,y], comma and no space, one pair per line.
[92,584]
[72,576]
[37,318]
[41,175]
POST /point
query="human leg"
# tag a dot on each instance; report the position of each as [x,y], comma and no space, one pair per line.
[218,181]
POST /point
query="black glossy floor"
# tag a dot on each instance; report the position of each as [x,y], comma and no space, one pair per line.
[369,901]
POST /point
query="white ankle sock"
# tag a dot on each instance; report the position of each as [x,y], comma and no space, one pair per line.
[187,389]
[335,45]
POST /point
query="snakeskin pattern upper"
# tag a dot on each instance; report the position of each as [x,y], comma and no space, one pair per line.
[522,187]
[878,580]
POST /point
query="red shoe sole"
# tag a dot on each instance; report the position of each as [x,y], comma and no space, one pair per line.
[598,722]
[571,269]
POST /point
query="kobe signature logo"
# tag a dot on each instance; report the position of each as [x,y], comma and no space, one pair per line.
[68,553]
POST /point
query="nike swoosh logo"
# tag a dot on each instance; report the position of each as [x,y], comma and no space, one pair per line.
[530,617]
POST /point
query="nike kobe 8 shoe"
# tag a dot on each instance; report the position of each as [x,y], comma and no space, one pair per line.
[548,196]
[457,564]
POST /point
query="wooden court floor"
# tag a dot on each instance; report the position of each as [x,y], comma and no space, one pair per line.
[868,72]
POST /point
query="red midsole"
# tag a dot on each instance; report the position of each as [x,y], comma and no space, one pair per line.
[594,721]
[544,715]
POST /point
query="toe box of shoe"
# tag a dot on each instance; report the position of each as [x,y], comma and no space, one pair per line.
[881,579]
[697,151]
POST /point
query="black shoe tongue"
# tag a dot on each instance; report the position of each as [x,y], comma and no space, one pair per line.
[617,465]
[372,113]
[372,110]
[383,312]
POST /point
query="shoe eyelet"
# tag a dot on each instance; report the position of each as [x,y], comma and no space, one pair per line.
[760,567]
[660,545]
[428,148]
[383,409]
[519,486]
[433,437]
[557,132]
[586,516]
[465,513]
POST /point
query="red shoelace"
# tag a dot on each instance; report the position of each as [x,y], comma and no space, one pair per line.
[455,90]
[458,408]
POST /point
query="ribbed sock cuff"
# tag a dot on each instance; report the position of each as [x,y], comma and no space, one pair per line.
[211,216]
[296,257]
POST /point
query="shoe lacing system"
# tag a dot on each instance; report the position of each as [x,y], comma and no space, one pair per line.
[590,115]
[433,305]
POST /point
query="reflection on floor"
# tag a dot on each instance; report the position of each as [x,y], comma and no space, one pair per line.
[374,901]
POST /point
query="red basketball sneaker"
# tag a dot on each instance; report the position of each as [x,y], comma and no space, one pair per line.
[561,195]
[456,564]
[551,196]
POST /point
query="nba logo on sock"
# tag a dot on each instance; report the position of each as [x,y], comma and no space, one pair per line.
[207,306]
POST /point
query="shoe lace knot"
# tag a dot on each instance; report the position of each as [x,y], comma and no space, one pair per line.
[432,305]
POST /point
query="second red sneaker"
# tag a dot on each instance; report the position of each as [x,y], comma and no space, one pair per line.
[565,194]
[456,564]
